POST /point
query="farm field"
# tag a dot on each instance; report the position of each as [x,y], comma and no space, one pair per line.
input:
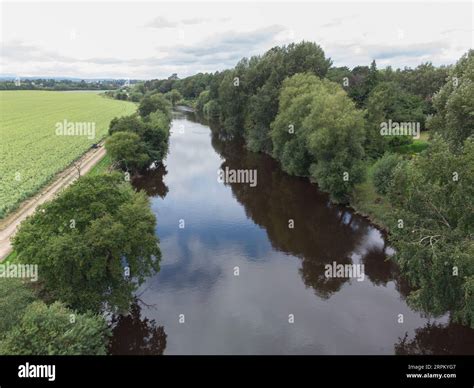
[42,132]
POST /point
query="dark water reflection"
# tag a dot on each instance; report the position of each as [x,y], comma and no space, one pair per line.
[133,334]
[281,270]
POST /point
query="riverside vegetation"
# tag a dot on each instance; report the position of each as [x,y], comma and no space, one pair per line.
[95,244]
[319,122]
[324,123]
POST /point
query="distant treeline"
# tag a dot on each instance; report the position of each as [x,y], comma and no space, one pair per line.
[63,84]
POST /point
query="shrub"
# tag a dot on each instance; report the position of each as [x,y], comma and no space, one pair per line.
[383,172]
[56,330]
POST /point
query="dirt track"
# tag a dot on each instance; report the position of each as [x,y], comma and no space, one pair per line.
[9,225]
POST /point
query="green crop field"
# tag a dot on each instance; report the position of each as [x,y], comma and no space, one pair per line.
[43,132]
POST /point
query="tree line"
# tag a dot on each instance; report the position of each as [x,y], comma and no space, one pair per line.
[324,123]
[60,84]
[94,245]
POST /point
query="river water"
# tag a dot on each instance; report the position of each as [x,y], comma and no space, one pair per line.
[236,279]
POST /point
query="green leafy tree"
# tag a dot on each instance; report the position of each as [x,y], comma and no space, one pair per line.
[56,330]
[211,110]
[95,243]
[174,96]
[339,75]
[264,80]
[388,101]
[336,137]
[156,135]
[15,297]
[424,81]
[152,103]
[454,104]
[289,136]
[434,245]
[202,100]
[135,96]
[383,172]
[306,57]
[319,132]
[233,99]
[131,123]
[191,87]
[153,131]
[128,151]
[362,81]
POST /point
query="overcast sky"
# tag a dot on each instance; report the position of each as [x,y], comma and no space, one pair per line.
[153,40]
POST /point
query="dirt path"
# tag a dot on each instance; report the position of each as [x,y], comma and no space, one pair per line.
[9,225]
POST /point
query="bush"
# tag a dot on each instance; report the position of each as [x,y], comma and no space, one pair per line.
[56,330]
[15,296]
[383,172]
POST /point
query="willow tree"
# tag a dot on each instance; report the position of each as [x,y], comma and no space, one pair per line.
[433,229]
[319,133]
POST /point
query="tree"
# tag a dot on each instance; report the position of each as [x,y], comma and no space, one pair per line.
[262,109]
[319,133]
[307,57]
[15,296]
[95,243]
[56,330]
[335,142]
[152,103]
[339,75]
[454,104]
[202,100]
[151,145]
[423,81]
[383,172]
[358,86]
[211,110]
[128,151]
[288,134]
[135,96]
[233,99]
[156,135]
[388,101]
[264,80]
[192,86]
[173,96]
[434,246]
[131,123]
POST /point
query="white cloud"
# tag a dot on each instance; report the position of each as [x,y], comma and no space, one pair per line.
[153,40]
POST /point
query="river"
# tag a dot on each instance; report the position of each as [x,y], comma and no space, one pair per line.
[236,279]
